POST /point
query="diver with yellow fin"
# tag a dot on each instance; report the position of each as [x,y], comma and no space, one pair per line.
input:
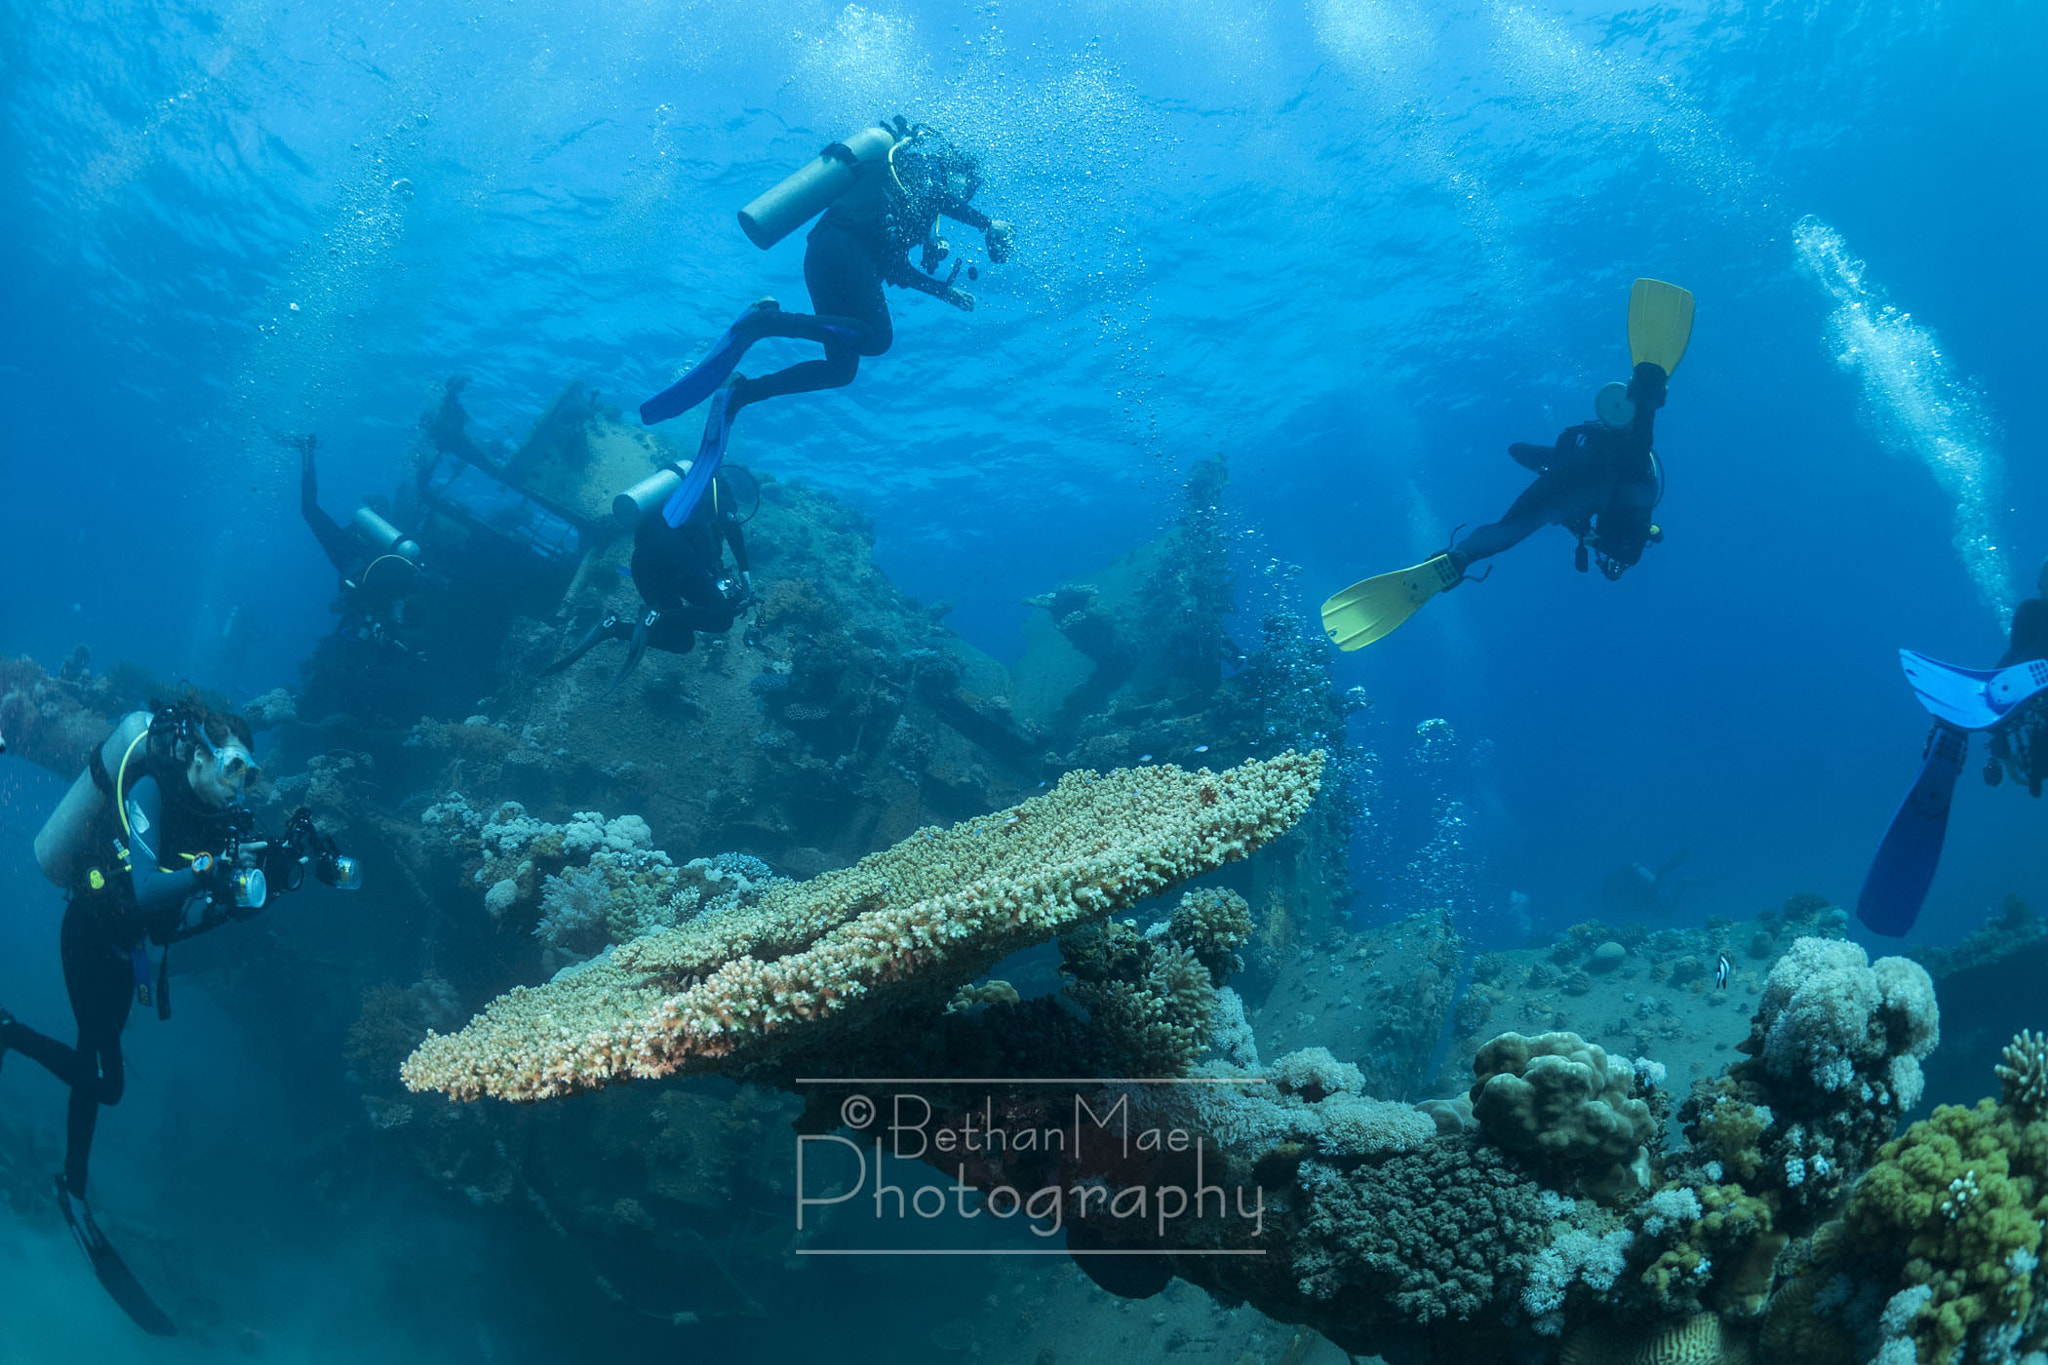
[1601,481]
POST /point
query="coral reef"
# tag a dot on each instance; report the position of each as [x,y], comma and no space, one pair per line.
[1703,1339]
[1560,1102]
[1834,1063]
[731,990]
[1961,1200]
[2023,1073]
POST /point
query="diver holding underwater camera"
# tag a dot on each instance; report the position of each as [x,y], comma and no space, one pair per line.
[153,845]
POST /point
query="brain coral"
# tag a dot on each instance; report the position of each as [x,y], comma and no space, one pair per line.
[735,989]
[1556,1098]
[1699,1340]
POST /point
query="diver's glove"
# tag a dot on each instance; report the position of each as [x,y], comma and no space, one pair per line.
[999,237]
[1648,384]
[959,298]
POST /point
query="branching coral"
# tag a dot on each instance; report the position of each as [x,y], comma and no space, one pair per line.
[2023,1074]
[1440,1232]
[1964,1194]
[1152,997]
[1214,923]
[746,987]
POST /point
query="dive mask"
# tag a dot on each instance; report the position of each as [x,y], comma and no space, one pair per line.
[1613,406]
[232,766]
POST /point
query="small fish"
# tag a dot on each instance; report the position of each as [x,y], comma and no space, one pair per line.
[1144,758]
[1721,972]
[1201,748]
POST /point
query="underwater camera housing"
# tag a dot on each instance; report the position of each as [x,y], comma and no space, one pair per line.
[301,846]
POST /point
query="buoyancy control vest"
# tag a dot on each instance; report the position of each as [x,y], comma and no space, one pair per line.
[91,841]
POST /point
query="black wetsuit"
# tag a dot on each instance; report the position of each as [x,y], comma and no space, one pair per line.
[678,568]
[1597,481]
[2020,741]
[863,241]
[2029,633]
[101,944]
[375,589]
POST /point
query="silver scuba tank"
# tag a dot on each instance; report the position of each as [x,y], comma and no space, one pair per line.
[646,497]
[810,190]
[383,537]
[65,845]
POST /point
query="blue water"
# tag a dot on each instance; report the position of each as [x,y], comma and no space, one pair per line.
[1357,245]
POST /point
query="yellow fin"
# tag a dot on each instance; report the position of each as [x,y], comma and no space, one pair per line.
[1374,608]
[1659,323]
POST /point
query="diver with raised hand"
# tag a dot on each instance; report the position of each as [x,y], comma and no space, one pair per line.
[883,192]
[378,565]
[1600,480]
[680,573]
[152,845]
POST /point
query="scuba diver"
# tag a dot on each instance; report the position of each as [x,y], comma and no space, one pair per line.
[883,191]
[2011,703]
[680,573]
[152,845]
[1601,481]
[380,568]
[2020,746]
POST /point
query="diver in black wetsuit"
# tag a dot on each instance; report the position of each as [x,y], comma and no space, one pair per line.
[155,857]
[150,845]
[1600,481]
[864,241]
[890,205]
[380,583]
[680,572]
[2019,745]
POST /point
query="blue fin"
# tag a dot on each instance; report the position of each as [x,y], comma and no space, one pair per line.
[1903,870]
[1972,698]
[713,370]
[710,455]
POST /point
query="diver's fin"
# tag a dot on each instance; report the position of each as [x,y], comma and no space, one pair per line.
[599,633]
[1373,608]
[1659,323]
[1972,698]
[634,654]
[113,1272]
[1899,876]
[710,455]
[713,370]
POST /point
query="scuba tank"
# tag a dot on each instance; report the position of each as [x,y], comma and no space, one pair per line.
[383,538]
[811,189]
[646,497]
[66,842]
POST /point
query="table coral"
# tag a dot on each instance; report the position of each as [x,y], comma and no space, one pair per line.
[743,987]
